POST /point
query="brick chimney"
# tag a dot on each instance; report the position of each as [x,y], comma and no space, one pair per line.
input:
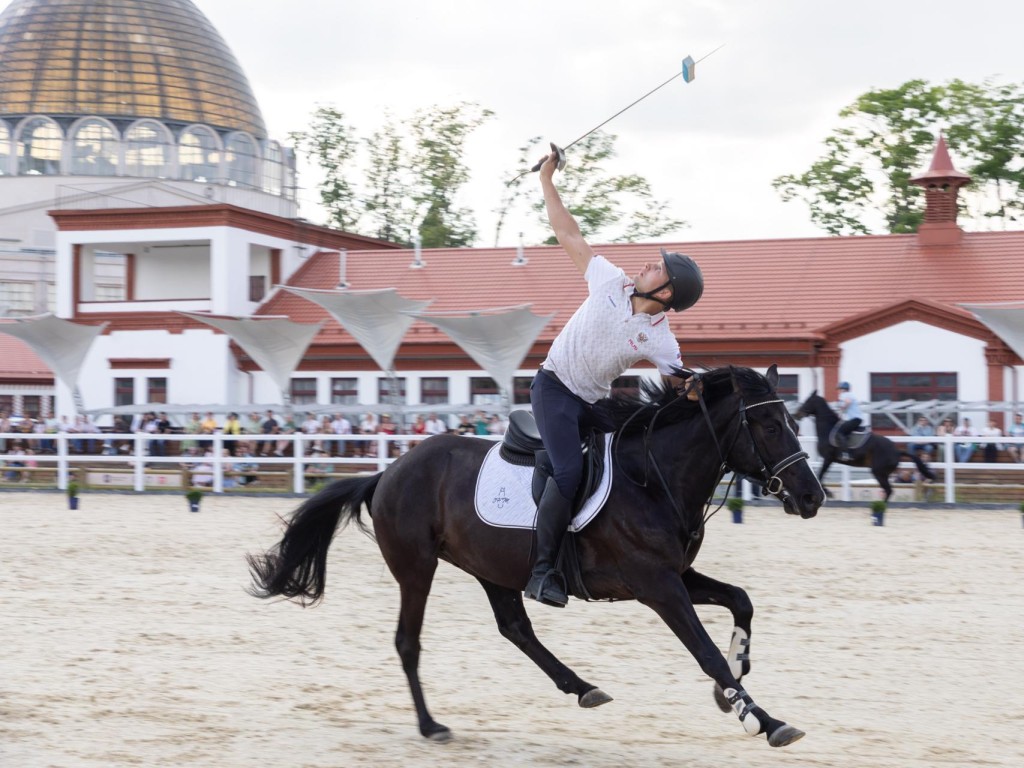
[941,183]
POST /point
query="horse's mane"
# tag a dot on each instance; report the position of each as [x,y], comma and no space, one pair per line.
[661,397]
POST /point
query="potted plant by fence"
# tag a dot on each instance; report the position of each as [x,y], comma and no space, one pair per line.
[878,512]
[72,492]
[194,496]
[735,505]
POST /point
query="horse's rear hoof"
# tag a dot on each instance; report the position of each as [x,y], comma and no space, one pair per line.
[720,700]
[595,697]
[437,733]
[785,734]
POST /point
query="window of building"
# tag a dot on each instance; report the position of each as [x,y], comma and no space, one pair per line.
[32,406]
[94,148]
[199,155]
[124,391]
[6,405]
[521,389]
[156,390]
[391,390]
[273,168]
[242,161]
[17,298]
[344,391]
[303,391]
[910,386]
[39,148]
[434,390]
[483,390]
[626,386]
[789,387]
[257,287]
[148,151]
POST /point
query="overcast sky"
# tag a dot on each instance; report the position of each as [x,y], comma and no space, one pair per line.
[759,107]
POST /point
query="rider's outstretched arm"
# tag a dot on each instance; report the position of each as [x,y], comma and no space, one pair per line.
[566,230]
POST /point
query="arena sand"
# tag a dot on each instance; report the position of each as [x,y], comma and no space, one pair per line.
[128,640]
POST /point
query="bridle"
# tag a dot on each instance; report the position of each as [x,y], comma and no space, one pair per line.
[769,478]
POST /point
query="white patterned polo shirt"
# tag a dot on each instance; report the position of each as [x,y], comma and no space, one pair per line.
[604,338]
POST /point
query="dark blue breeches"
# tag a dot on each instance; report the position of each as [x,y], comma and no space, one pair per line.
[562,418]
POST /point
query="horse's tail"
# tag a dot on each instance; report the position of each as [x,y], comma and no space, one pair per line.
[923,468]
[297,566]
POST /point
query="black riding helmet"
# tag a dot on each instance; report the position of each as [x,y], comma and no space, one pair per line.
[685,278]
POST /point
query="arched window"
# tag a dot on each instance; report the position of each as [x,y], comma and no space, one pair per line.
[273,170]
[94,149]
[242,160]
[148,151]
[39,145]
[199,155]
[5,148]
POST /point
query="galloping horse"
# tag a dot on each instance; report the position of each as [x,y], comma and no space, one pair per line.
[878,453]
[670,454]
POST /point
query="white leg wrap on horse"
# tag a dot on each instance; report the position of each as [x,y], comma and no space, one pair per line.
[741,705]
[739,651]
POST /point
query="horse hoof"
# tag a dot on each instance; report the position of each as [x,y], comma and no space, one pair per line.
[721,701]
[440,734]
[785,734]
[595,697]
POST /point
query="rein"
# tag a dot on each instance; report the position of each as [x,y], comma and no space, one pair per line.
[769,478]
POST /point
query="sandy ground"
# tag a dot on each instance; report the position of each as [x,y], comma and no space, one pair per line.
[127,640]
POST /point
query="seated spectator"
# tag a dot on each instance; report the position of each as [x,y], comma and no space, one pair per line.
[964,451]
[245,465]
[1016,429]
[923,428]
[466,427]
[434,426]
[991,447]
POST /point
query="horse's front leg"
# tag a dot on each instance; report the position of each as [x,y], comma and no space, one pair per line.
[825,464]
[704,590]
[667,596]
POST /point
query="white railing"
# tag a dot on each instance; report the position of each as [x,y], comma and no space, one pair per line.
[136,460]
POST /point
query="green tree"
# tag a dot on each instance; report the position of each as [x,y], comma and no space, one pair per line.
[613,208]
[440,171]
[388,203]
[331,143]
[887,136]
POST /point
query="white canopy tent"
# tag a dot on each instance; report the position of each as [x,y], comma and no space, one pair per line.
[276,344]
[377,319]
[61,344]
[1004,319]
[497,339]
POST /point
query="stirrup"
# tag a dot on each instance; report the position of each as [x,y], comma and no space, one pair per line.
[546,590]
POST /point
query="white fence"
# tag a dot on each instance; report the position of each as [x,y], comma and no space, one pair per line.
[139,465]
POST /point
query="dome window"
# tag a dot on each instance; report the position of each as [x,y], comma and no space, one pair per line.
[94,149]
[148,151]
[39,147]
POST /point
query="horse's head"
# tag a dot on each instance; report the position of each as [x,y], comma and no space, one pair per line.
[766,447]
[812,406]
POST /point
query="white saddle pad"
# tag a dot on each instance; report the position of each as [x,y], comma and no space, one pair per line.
[504,493]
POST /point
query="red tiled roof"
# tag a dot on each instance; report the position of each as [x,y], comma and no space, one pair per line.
[18,363]
[755,289]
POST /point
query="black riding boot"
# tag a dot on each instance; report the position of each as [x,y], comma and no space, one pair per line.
[554,513]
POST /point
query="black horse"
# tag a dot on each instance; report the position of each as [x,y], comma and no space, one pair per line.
[878,453]
[670,454]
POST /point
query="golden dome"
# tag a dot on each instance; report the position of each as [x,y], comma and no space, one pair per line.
[121,59]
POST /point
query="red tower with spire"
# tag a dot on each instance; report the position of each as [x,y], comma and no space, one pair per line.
[941,184]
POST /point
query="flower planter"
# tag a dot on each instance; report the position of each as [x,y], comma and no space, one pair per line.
[193,506]
[72,502]
[878,517]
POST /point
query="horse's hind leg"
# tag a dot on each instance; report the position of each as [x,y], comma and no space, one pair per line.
[707,591]
[882,476]
[515,626]
[414,583]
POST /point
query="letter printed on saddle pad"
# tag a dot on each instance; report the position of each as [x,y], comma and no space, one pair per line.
[504,493]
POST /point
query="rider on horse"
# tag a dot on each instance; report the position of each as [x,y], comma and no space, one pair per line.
[621,322]
[850,412]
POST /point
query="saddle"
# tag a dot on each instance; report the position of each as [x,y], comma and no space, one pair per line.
[523,447]
[855,440]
